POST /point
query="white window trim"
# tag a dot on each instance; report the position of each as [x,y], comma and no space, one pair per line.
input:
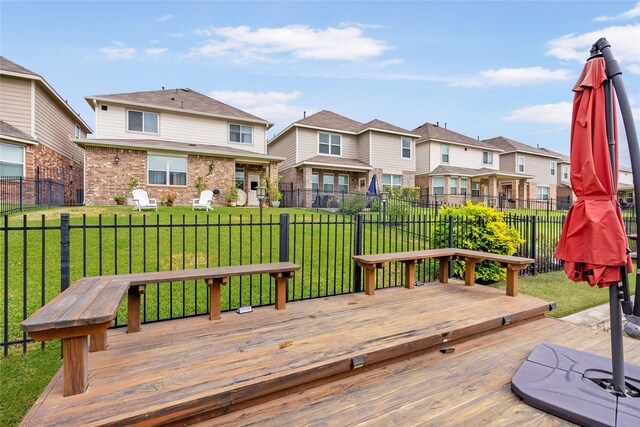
[329,154]
[318,183]
[333,183]
[392,185]
[402,148]
[244,144]
[184,156]
[433,186]
[568,173]
[442,162]
[486,163]
[538,192]
[142,131]
[524,167]
[553,171]
[24,159]
[340,175]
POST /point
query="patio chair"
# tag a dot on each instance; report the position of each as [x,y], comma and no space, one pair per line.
[142,200]
[204,202]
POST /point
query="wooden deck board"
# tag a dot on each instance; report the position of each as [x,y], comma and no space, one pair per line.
[195,364]
[469,387]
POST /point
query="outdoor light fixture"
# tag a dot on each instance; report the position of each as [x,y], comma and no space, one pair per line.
[384,197]
[116,159]
[261,192]
[212,166]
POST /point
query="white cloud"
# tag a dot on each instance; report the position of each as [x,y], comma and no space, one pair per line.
[297,41]
[624,44]
[555,114]
[164,18]
[629,14]
[155,51]
[118,50]
[273,106]
[512,77]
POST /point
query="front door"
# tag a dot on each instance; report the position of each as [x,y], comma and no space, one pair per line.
[252,196]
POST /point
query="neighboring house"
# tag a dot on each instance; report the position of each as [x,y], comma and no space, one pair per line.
[564,193]
[170,139]
[540,164]
[453,168]
[625,185]
[36,129]
[332,154]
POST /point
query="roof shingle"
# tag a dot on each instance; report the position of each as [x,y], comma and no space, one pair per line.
[180,99]
[330,120]
[507,145]
[7,129]
[429,131]
[7,65]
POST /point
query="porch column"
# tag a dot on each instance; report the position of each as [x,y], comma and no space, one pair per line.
[306,181]
[493,186]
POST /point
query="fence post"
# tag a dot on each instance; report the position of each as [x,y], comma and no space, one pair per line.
[21,193]
[5,280]
[533,244]
[357,250]
[284,245]
[64,251]
[450,242]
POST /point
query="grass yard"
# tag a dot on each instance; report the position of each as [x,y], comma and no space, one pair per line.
[570,297]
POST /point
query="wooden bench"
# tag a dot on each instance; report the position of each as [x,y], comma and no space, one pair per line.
[89,306]
[375,261]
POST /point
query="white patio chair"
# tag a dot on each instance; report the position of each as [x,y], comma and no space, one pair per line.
[142,200]
[204,202]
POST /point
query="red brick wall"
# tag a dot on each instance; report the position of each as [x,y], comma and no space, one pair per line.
[55,166]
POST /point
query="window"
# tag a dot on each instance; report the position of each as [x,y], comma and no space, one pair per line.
[406,148]
[444,153]
[329,143]
[241,134]
[565,172]
[552,170]
[314,181]
[327,183]
[475,189]
[453,184]
[139,121]
[520,164]
[487,157]
[11,160]
[389,180]
[438,185]
[78,132]
[343,183]
[240,178]
[543,193]
[463,186]
[629,197]
[164,170]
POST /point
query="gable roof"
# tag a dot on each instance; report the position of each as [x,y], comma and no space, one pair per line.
[11,132]
[329,120]
[511,146]
[431,132]
[10,68]
[183,100]
[563,158]
[472,172]
[376,124]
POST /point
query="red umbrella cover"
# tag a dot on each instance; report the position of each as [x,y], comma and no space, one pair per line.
[593,243]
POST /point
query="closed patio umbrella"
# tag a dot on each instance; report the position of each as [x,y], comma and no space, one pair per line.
[578,386]
[372,190]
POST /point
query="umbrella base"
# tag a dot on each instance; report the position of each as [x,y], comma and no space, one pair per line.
[576,386]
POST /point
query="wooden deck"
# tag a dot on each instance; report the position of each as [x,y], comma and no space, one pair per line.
[294,367]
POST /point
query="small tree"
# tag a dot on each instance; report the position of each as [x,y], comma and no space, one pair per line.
[482,229]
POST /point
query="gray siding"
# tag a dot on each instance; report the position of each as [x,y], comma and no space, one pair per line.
[363,148]
[508,162]
[55,127]
[423,158]
[308,144]
[386,153]
[15,102]
[540,167]
[285,147]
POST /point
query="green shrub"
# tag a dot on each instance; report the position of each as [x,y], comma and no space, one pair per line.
[401,200]
[353,203]
[375,206]
[483,229]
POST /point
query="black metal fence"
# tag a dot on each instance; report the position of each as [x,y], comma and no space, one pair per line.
[43,257]
[19,193]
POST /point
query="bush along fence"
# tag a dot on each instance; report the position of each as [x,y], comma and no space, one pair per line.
[43,257]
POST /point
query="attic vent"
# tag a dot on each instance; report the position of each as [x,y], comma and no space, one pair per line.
[192,145]
[185,90]
[104,107]
[172,98]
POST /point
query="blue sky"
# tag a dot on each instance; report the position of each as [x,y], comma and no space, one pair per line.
[485,68]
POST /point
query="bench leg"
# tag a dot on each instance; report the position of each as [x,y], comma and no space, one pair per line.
[409,274]
[512,282]
[214,297]
[370,281]
[75,364]
[133,309]
[98,341]
[443,275]
[281,292]
[469,272]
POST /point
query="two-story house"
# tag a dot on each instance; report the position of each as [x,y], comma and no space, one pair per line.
[36,129]
[168,140]
[452,168]
[332,154]
[545,166]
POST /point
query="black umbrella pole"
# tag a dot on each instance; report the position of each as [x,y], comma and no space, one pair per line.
[615,73]
[617,349]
